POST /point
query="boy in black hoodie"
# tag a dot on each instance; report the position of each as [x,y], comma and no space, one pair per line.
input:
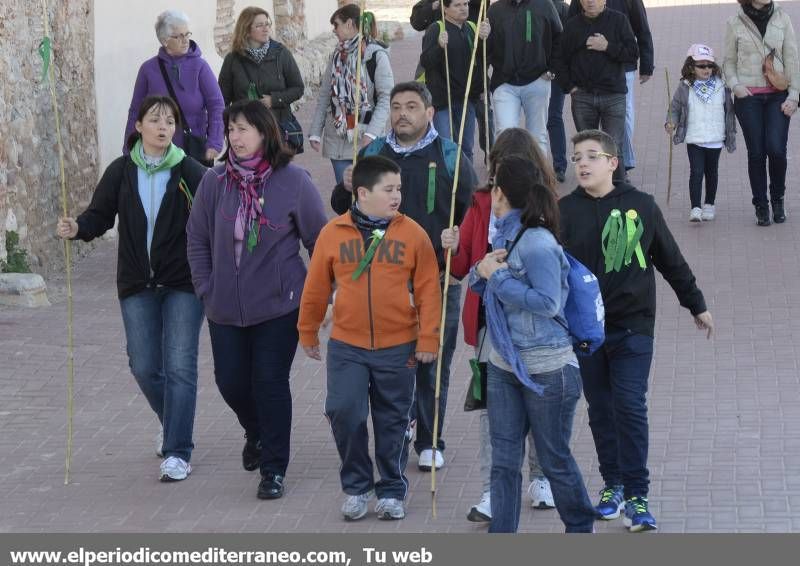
[620,234]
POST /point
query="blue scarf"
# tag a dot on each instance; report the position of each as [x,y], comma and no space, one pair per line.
[705,89]
[507,229]
[425,141]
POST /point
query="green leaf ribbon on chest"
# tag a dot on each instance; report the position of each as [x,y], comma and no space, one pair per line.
[621,240]
[375,240]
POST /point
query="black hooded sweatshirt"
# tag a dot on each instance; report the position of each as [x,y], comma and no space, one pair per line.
[630,294]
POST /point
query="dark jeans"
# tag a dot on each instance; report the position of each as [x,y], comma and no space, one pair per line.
[162,329]
[441,121]
[382,381]
[481,115]
[513,410]
[555,128]
[426,378]
[252,365]
[615,385]
[603,111]
[703,162]
[766,131]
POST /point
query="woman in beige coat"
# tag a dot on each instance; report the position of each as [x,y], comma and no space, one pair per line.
[761,31]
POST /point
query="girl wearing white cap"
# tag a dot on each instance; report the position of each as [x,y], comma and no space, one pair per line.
[701,114]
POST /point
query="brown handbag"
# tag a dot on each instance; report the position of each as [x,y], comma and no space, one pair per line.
[775,78]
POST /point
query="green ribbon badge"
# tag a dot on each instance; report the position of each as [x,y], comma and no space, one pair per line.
[431,201]
[621,239]
[252,92]
[376,239]
[528,27]
[45,49]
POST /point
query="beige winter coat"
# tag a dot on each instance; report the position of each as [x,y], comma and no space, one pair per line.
[745,51]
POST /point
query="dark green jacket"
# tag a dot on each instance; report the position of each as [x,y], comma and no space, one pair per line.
[277,75]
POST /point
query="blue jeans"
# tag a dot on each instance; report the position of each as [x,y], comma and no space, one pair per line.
[441,121]
[766,131]
[162,329]
[555,128]
[628,155]
[513,410]
[615,384]
[426,379]
[601,111]
[252,366]
[339,165]
[533,98]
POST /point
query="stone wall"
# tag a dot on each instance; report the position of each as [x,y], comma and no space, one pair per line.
[29,172]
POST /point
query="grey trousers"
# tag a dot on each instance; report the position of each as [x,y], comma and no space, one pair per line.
[383,381]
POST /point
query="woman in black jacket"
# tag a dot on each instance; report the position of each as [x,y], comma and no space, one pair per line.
[151,190]
[259,67]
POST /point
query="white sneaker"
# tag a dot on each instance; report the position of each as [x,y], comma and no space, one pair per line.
[708,212]
[696,214]
[355,506]
[390,509]
[426,460]
[175,469]
[482,512]
[541,495]
[160,442]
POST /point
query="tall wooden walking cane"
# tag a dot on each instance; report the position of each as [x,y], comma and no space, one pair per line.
[669,137]
[486,97]
[48,74]
[447,74]
[448,255]
[359,56]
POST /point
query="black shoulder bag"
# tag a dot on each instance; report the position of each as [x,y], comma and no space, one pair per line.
[292,131]
[194,145]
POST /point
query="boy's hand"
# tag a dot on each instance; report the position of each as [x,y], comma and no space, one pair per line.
[425,357]
[703,321]
[313,352]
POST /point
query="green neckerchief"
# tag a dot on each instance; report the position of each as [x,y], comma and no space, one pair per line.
[621,239]
[173,156]
[376,238]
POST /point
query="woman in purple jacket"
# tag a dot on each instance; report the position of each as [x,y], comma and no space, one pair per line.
[249,216]
[192,81]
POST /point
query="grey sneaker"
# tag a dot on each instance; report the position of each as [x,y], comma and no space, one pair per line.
[355,506]
[175,469]
[160,442]
[541,495]
[390,509]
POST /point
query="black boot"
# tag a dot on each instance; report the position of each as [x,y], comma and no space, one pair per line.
[778,212]
[251,454]
[271,486]
[762,215]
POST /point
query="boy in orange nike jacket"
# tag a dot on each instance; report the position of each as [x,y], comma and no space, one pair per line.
[386,315]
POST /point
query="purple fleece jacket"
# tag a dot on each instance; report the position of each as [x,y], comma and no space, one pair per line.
[195,86]
[269,280]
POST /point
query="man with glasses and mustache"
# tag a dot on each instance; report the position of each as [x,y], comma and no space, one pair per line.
[619,233]
[427,169]
[590,65]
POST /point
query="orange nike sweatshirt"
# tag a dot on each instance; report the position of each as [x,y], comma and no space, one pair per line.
[396,300]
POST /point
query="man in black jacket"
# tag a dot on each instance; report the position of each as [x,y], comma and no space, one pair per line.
[637,16]
[520,48]
[590,65]
[555,112]
[457,35]
[427,163]
[425,12]
[620,234]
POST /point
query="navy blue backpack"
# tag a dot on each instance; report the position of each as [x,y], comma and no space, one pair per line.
[584,310]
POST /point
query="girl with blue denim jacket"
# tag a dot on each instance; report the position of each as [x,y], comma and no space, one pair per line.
[533,377]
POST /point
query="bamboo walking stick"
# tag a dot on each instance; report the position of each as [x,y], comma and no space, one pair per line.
[485,94]
[448,255]
[447,72]
[669,138]
[49,74]
[360,56]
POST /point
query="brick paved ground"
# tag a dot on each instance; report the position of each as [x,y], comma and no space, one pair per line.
[725,415]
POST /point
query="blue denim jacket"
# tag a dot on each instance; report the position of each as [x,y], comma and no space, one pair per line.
[533,290]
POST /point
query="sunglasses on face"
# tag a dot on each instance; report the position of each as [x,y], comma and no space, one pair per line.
[703,66]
